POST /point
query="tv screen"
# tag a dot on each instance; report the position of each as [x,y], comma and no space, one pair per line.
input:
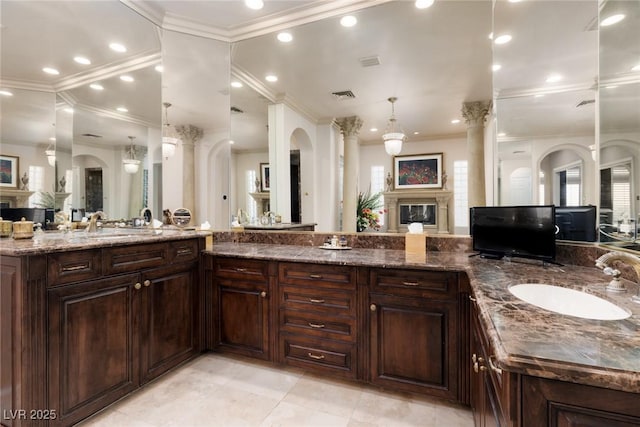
[576,223]
[516,231]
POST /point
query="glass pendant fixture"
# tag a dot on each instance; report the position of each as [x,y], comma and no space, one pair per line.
[393,135]
[170,137]
[131,164]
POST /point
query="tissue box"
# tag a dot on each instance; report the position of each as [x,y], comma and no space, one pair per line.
[415,244]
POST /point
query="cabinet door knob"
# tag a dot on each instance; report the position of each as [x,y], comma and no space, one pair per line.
[147,283]
[373,307]
[137,286]
[263,294]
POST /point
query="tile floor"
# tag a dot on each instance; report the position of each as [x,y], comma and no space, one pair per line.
[217,390]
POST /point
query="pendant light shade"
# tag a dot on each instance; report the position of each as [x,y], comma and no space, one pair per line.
[131,164]
[393,136]
[51,156]
[170,137]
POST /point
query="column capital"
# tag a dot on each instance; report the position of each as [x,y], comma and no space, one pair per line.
[476,112]
[349,126]
[190,134]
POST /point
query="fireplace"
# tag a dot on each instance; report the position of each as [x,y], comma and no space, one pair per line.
[430,207]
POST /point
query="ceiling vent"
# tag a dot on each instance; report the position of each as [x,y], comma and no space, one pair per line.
[585,102]
[236,110]
[370,61]
[91,135]
[345,94]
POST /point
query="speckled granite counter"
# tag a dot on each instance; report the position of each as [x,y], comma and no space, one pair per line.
[72,241]
[525,339]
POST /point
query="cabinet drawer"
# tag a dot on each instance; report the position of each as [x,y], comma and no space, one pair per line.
[326,276]
[340,303]
[319,355]
[125,259]
[240,268]
[68,267]
[184,250]
[419,283]
[318,325]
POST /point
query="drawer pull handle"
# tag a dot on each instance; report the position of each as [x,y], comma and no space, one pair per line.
[316,301]
[316,325]
[138,286]
[263,294]
[315,356]
[493,367]
[147,283]
[75,268]
[241,270]
[315,276]
[185,251]
[410,283]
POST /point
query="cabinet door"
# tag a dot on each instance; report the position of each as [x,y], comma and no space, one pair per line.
[169,335]
[93,345]
[413,345]
[243,318]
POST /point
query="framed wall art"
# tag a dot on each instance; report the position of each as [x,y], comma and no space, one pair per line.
[264,177]
[9,171]
[418,171]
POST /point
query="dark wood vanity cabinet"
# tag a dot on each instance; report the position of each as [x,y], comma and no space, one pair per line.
[413,331]
[317,324]
[241,303]
[96,325]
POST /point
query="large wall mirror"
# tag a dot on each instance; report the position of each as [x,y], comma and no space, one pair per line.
[96,106]
[620,124]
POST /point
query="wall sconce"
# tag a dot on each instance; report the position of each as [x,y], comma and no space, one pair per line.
[170,137]
[131,164]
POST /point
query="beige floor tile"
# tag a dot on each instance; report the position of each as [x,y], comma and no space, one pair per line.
[333,397]
[290,415]
[381,409]
[265,381]
[110,417]
[452,415]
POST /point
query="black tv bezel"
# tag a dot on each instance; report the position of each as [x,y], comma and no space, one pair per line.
[498,254]
[588,208]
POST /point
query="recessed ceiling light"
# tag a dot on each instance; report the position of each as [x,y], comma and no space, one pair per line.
[610,20]
[50,70]
[502,134]
[348,21]
[68,110]
[254,4]
[373,130]
[122,109]
[540,95]
[636,68]
[231,141]
[271,78]
[159,68]
[416,133]
[285,37]
[118,47]
[553,78]
[491,35]
[455,121]
[52,139]
[423,4]
[236,84]
[5,93]
[82,60]
[96,86]
[505,38]
[515,1]
[496,67]
[126,78]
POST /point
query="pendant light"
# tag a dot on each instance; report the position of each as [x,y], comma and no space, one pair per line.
[393,136]
[131,164]
[170,137]
[50,152]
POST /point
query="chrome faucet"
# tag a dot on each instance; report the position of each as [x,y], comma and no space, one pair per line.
[615,285]
[93,221]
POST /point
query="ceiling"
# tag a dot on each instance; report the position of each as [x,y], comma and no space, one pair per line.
[433,60]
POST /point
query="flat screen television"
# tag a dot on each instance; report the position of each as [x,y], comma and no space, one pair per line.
[576,223]
[514,231]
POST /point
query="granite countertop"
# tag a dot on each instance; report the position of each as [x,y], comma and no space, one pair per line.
[279,226]
[79,239]
[526,339]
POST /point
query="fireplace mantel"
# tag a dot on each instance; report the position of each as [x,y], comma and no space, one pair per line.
[392,199]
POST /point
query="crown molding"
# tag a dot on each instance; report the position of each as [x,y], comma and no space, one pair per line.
[27,85]
[525,92]
[146,10]
[129,118]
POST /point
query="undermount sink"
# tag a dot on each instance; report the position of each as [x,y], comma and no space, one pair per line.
[568,301]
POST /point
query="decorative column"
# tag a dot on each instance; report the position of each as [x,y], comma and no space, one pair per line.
[189,134]
[475,114]
[350,128]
